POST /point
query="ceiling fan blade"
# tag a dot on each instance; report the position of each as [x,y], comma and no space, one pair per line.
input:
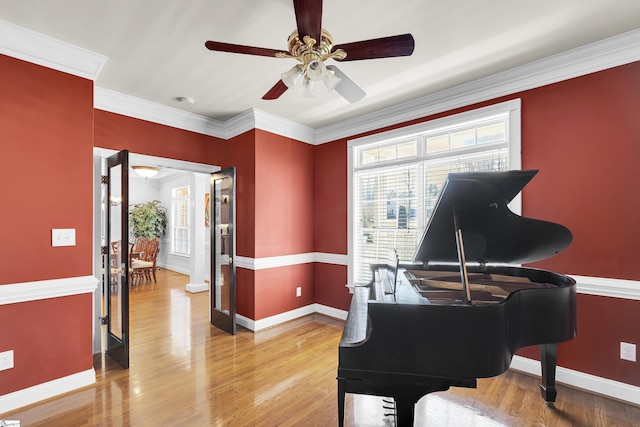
[309,18]
[238,48]
[277,90]
[347,88]
[385,47]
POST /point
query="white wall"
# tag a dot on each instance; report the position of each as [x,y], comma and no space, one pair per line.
[166,259]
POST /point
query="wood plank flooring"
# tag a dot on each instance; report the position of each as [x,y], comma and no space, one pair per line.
[184,372]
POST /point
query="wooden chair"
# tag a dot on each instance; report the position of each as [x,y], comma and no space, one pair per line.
[142,259]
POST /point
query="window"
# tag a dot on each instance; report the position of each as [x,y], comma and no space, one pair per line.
[396,177]
[180,222]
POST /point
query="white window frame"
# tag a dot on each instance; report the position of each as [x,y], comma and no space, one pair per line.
[174,201]
[512,108]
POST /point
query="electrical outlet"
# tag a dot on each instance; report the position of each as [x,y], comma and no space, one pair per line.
[628,351]
[6,360]
[299,291]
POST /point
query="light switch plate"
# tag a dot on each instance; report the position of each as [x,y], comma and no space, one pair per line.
[63,237]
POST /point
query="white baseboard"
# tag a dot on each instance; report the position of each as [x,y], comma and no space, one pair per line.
[175,268]
[27,396]
[195,288]
[591,383]
[331,312]
[258,325]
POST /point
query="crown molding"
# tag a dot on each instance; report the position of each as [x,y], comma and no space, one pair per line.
[126,105]
[49,52]
[284,127]
[601,55]
[43,50]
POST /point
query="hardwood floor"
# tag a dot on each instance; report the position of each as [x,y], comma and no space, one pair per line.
[184,372]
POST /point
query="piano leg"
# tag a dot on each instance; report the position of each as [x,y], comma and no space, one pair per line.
[548,357]
[342,391]
[404,413]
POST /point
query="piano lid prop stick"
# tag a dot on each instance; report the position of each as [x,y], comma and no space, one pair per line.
[466,291]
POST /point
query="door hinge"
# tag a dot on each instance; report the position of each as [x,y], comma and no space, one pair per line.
[104,250]
[104,179]
[104,320]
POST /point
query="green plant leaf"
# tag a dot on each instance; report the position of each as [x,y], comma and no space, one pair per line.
[148,219]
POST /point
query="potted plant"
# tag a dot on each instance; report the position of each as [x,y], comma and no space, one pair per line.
[148,219]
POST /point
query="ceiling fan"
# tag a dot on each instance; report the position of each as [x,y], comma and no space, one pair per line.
[311,45]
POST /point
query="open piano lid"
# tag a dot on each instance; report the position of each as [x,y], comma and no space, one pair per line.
[491,233]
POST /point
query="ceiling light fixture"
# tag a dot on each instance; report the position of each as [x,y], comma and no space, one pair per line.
[146,171]
[312,68]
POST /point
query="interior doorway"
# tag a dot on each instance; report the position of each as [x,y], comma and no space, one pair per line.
[171,174]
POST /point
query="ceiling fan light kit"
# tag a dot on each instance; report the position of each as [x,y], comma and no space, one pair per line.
[314,48]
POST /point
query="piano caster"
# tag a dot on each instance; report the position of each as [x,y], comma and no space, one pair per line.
[551,405]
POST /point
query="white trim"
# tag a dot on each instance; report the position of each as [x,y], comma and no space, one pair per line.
[244,262]
[601,286]
[282,261]
[268,322]
[588,382]
[195,288]
[126,105]
[43,50]
[43,289]
[287,260]
[37,393]
[512,108]
[175,268]
[601,55]
[606,287]
[245,322]
[408,132]
[284,127]
[331,312]
[326,258]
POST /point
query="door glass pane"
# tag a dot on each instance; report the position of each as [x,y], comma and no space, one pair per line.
[117,268]
[222,262]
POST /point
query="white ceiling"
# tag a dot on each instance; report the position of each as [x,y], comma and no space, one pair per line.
[156,52]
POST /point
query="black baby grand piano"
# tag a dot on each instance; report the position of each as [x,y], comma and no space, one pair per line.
[463,307]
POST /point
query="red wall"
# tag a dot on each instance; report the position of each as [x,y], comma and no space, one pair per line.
[53,340]
[330,228]
[284,196]
[284,218]
[46,123]
[583,134]
[46,126]
[118,132]
[242,157]
[276,289]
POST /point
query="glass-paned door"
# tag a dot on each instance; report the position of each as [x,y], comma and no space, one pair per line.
[223,270]
[117,265]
